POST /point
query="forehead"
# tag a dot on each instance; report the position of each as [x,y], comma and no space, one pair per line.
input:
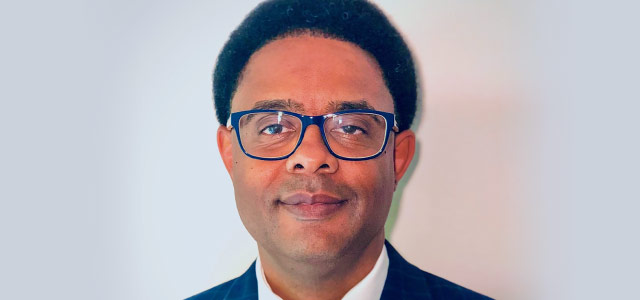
[314,74]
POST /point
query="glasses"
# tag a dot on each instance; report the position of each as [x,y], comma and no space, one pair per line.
[359,134]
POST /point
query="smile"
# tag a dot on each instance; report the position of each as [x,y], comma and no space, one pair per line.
[315,207]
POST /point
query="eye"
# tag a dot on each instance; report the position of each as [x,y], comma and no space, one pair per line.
[275,129]
[351,129]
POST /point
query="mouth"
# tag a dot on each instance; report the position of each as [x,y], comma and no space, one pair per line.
[311,207]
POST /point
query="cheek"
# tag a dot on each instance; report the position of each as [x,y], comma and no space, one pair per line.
[375,182]
[251,175]
[253,182]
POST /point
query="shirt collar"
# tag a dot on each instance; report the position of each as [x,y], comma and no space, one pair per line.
[370,287]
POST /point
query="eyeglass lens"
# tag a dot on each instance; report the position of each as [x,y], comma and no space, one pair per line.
[274,134]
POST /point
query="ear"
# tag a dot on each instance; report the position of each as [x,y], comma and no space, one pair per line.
[405,147]
[225,148]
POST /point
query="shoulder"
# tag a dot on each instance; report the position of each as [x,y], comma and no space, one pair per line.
[216,292]
[406,281]
[444,289]
[240,288]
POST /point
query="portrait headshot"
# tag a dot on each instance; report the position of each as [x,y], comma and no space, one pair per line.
[315,101]
[318,149]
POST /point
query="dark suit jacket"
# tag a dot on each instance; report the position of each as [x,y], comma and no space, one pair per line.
[404,281]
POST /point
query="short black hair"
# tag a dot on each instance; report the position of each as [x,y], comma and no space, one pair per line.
[356,21]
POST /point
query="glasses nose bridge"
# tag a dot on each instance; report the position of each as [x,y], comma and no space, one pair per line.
[312,120]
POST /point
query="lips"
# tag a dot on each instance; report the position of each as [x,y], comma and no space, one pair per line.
[306,207]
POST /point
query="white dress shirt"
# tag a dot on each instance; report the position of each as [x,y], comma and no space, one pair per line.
[370,287]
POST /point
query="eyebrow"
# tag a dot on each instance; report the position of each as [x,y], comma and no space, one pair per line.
[346,105]
[279,104]
[290,105]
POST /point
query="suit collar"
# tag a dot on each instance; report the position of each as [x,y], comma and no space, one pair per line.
[401,275]
[404,280]
[244,287]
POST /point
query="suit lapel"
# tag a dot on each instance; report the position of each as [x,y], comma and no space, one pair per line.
[244,287]
[404,281]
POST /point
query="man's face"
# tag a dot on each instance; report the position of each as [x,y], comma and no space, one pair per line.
[311,206]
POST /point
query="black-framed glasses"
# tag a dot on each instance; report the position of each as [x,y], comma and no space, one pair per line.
[358,134]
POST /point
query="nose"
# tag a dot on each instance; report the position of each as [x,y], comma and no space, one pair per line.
[312,156]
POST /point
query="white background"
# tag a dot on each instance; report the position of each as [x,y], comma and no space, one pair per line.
[524,186]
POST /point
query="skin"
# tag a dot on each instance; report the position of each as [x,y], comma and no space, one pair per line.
[318,258]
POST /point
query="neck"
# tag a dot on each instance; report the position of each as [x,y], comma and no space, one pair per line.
[291,279]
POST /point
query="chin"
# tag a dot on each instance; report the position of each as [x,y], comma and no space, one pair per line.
[314,247]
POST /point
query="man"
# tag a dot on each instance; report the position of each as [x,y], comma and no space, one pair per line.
[317,98]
